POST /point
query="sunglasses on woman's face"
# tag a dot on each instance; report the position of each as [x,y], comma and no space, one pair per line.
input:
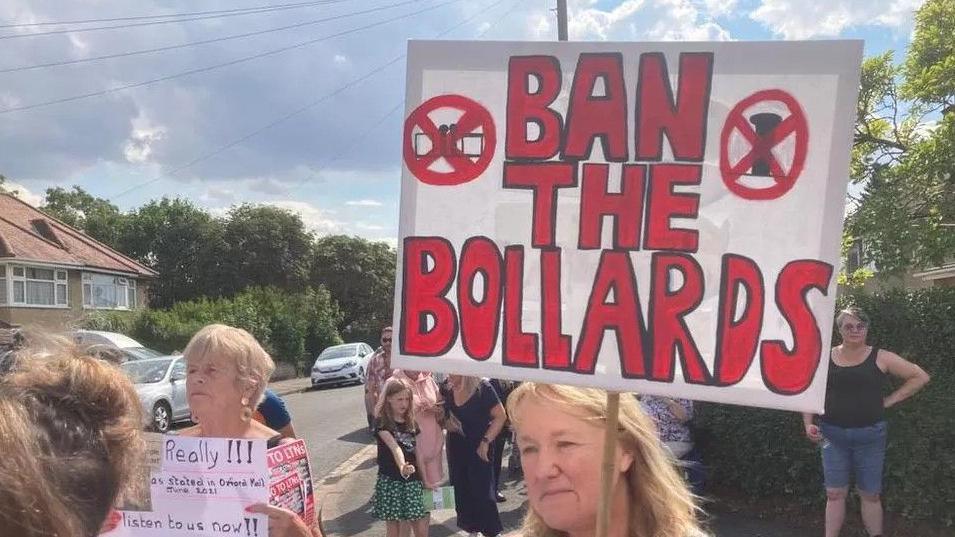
[857,327]
[386,341]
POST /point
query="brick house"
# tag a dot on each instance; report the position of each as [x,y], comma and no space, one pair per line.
[51,274]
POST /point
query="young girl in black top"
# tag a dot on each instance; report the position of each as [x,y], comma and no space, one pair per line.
[399,497]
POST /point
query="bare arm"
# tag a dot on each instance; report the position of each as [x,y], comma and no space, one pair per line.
[285,523]
[914,377]
[812,430]
[404,466]
[396,452]
[288,431]
[678,410]
[498,418]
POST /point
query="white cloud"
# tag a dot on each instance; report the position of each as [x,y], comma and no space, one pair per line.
[719,8]
[797,19]
[340,59]
[540,27]
[364,203]
[269,185]
[369,227]
[587,21]
[667,20]
[8,100]
[80,46]
[390,241]
[220,196]
[315,219]
[23,193]
[139,145]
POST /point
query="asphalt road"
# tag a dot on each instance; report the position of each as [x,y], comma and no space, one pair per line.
[332,422]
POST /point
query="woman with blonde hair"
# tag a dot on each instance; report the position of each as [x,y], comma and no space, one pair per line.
[560,433]
[398,499]
[481,416]
[427,408]
[227,372]
[70,443]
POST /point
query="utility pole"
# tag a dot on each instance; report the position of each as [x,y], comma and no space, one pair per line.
[562,20]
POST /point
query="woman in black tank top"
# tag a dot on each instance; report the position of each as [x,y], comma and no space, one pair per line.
[852,431]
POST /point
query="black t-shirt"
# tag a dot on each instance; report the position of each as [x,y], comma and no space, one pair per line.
[405,437]
[854,393]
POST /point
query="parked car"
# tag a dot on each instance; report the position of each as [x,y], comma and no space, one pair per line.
[161,386]
[129,348]
[341,364]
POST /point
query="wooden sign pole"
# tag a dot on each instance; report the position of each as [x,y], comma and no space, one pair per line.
[608,466]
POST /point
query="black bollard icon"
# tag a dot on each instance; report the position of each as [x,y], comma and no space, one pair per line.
[764,123]
[443,142]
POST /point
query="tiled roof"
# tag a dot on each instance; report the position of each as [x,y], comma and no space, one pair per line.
[22,231]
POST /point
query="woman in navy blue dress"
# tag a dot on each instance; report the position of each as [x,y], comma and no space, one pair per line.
[479,410]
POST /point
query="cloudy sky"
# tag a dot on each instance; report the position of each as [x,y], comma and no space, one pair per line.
[315,126]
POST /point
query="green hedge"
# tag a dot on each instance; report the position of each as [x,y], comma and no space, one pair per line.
[763,454]
[293,327]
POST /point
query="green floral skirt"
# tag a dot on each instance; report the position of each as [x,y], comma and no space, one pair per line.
[398,500]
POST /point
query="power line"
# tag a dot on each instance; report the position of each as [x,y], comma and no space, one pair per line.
[218,65]
[275,7]
[356,141]
[266,127]
[302,109]
[203,42]
[154,23]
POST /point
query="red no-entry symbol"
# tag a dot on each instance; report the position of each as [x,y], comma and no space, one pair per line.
[466,145]
[763,132]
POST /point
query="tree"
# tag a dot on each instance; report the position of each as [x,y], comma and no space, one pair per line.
[904,152]
[94,216]
[267,246]
[360,275]
[183,243]
[6,189]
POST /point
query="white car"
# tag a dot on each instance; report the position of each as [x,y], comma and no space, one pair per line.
[129,347]
[341,364]
[161,386]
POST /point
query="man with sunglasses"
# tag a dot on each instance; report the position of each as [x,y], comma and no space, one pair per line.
[379,370]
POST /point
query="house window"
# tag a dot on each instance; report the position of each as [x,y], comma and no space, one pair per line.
[3,284]
[131,293]
[102,291]
[39,286]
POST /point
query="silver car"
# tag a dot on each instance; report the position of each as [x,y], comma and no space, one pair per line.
[161,386]
[129,348]
[341,364]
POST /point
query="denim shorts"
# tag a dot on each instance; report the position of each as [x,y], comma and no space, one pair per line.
[859,451]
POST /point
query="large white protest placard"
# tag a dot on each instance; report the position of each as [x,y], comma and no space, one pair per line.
[654,217]
[201,489]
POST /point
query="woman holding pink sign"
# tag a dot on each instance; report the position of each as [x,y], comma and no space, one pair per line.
[226,376]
